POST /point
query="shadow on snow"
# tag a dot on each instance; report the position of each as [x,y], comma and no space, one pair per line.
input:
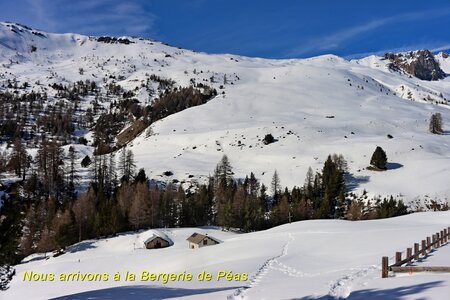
[138,292]
[387,294]
[352,181]
[393,166]
[81,246]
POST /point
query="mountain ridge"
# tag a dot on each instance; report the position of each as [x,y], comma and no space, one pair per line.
[291,99]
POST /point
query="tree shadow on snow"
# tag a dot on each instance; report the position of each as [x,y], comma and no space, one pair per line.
[393,166]
[387,294]
[139,292]
[352,181]
[81,246]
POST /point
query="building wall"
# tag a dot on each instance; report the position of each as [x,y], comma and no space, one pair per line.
[193,246]
[152,244]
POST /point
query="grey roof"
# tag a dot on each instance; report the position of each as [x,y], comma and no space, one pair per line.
[154,237]
[196,238]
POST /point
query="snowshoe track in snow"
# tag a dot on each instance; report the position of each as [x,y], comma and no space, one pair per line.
[262,271]
[342,287]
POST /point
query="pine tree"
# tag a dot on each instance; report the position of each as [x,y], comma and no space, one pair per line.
[141,176]
[131,164]
[379,159]
[50,163]
[275,185]
[123,163]
[86,161]
[112,175]
[253,185]
[10,232]
[223,174]
[436,123]
[73,177]
[19,161]
[333,187]
[309,183]
[264,199]
[223,183]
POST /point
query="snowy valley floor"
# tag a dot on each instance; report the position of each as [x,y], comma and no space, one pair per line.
[318,259]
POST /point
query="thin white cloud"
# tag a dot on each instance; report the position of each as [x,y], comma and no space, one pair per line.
[436,47]
[94,17]
[441,48]
[39,12]
[338,38]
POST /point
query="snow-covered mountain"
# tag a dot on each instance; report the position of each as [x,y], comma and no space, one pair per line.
[313,107]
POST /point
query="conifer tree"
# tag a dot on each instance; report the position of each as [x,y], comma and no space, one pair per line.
[275,185]
[72,175]
[436,123]
[86,161]
[223,174]
[379,159]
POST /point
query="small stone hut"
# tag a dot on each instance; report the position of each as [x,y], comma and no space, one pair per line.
[197,240]
[156,242]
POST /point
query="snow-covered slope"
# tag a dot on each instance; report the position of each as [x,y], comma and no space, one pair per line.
[444,61]
[313,107]
[310,259]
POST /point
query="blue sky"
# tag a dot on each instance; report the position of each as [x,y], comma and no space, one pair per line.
[273,29]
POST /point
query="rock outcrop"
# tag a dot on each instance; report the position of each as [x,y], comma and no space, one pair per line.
[421,64]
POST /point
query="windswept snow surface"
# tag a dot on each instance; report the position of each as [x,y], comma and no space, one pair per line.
[322,259]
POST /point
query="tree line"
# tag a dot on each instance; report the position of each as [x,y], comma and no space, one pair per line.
[53,215]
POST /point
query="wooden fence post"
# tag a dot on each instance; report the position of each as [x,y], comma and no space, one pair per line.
[437,240]
[408,253]
[398,257]
[416,251]
[384,267]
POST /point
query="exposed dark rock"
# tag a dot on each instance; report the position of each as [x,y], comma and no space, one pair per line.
[168,173]
[114,40]
[420,64]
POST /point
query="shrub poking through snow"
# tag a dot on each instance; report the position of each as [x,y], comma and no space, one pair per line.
[6,274]
[268,139]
